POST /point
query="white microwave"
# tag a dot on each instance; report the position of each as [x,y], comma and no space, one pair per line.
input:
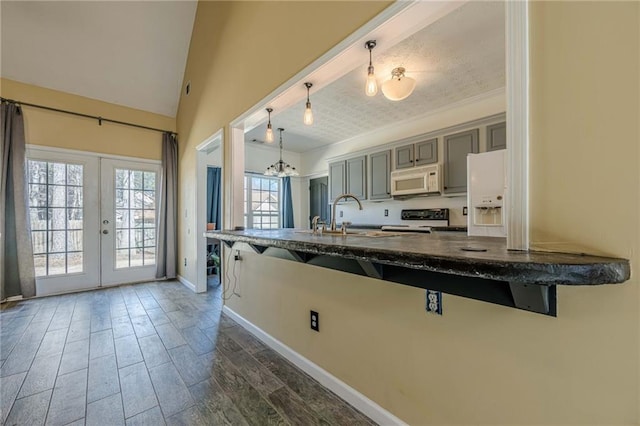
[416,180]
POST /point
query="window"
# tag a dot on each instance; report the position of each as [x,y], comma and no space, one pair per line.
[56,212]
[261,202]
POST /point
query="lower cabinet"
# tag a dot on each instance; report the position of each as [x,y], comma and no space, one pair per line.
[456,148]
[380,175]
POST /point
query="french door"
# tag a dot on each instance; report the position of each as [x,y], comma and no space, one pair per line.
[93,220]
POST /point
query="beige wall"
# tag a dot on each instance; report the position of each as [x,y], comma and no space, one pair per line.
[478,363]
[239,53]
[59,130]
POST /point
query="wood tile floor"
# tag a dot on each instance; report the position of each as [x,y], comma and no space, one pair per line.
[149,354]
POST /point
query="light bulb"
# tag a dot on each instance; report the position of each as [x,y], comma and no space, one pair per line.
[371,87]
[308,115]
[268,137]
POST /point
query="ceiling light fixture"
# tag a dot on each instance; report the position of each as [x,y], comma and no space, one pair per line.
[268,137]
[308,114]
[371,88]
[399,86]
[280,168]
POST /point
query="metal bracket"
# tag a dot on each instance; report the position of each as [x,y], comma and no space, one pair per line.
[535,298]
[373,270]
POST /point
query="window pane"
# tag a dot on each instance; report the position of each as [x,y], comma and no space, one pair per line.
[150,181]
[38,195]
[122,178]
[57,219]
[122,218]
[137,238]
[122,238]
[149,237]
[74,174]
[37,171]
[150,256]
[57,174]
[39,241]
[57,196]
[136,257]
[74,196]
[74,263]
[136,219]
[74,240]
[38,218]
[122,198]
[149,200]
[122,258]
[57,264]
[40,263]
[57,243]
[136,179]
[150,219]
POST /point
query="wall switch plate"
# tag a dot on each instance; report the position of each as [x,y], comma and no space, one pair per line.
[465,211]
[434,302]
[185,261]
[315,321]
[386,212]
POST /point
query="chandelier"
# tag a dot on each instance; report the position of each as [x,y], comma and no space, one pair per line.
[280,168]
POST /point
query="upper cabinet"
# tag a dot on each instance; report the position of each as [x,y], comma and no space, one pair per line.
[497,136]
[357,176]
[380,175]
[337,179]
[348,176]
[456,148]
[418,154]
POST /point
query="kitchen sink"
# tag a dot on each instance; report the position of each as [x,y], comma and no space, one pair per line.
[357,233]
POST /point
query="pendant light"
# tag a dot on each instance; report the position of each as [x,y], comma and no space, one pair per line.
[268,137]
[308,114]
[399,87]
[371,87]
[280,168]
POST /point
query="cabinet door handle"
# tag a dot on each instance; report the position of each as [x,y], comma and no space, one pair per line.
[417,159]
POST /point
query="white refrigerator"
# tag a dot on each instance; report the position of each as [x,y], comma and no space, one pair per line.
[486,191]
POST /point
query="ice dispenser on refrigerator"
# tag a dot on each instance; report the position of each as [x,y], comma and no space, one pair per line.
[486,190]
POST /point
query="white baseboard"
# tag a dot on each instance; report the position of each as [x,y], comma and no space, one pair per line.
[191,286]
[374,411]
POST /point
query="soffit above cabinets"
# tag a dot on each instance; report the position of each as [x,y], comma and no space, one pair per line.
[127,53]
[458,57]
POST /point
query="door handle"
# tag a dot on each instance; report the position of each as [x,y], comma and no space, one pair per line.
[106,231]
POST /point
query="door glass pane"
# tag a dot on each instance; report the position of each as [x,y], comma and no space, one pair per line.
[55,210]
[135,218]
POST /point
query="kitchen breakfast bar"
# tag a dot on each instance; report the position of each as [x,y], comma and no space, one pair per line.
[479,268]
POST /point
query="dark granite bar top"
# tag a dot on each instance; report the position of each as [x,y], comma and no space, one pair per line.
[446,252]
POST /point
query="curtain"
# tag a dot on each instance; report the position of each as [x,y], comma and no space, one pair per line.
[287,203]
[213,196]
[17,275]
[168,209]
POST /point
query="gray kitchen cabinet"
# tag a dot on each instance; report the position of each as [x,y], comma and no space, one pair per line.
[380,175]
[418,154]
[357,176]
[427,152]
[337,179]
[456,148]
[497,136]
[404,156]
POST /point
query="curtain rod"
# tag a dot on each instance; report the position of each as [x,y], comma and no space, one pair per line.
[95,117]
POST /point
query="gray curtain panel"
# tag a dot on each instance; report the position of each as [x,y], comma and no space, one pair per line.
[168,208]
[17,276]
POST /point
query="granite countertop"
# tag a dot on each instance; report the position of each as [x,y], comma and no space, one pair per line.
[446,252]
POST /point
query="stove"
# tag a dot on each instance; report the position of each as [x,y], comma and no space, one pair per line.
[422,220]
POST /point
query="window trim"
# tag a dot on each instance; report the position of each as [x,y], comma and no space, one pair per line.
[249,213]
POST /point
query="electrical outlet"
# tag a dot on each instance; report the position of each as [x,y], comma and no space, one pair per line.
[315,321]
[185,261]
[340,213]
[465,211]
[386,212]
[434,302]
[237,255]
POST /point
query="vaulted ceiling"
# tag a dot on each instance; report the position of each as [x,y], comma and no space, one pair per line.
[131,53]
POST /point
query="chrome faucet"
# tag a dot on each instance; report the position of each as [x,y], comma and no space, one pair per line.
[333,211]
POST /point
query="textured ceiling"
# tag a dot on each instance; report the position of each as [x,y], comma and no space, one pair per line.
[459,56]
[130,53]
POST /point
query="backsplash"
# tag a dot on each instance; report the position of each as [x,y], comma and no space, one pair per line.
[373,212]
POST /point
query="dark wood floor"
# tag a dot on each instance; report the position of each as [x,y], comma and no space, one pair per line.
[145,355]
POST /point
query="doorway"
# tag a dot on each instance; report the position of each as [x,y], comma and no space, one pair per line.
[93,220]
[319,199]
